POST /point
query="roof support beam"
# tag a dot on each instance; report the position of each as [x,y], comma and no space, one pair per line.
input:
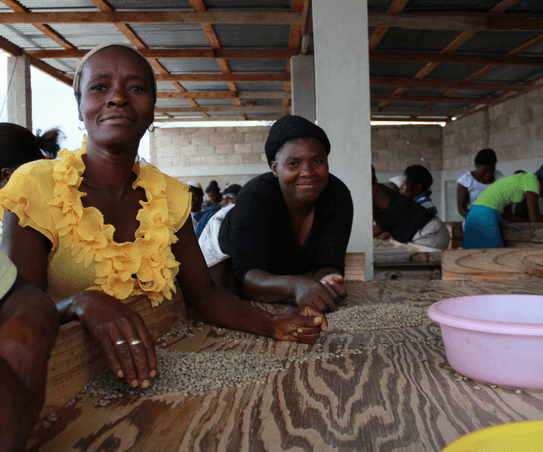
[420,57]
[155,17]
[237,54]
[223,77]
[260,108]
[433,99]
[225,95]
[443,84]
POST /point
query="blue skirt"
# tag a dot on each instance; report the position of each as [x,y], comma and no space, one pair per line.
[481,229]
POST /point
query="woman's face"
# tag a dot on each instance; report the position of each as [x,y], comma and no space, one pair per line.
[484,173]
[301,166]
[117,103]
[214,196]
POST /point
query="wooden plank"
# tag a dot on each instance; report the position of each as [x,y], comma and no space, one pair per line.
[355,267]
[467,21]
[259,108]
[443,84]
[220,118]
[172,54]
[493,263]
[421,57]
[522,234]
[223,77]
[375,393]
[154,17]
[435,99]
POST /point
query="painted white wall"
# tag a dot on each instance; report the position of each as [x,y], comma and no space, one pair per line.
[343,105]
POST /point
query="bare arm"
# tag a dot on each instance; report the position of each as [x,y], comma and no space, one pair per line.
[223,308]
[262,286]
[509,216]
[107,319]
[29,325]
[533,207]
[462,200]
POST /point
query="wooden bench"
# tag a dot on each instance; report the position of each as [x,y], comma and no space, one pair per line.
[492,263]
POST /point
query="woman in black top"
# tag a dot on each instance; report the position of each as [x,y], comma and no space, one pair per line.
[289,231]
[404,219]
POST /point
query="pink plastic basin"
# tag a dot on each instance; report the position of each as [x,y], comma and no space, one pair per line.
[496,339]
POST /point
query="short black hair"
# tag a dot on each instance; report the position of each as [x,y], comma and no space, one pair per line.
[486,157]
[418,174]
[213,186]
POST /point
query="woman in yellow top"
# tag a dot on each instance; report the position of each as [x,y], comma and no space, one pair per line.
[95,228]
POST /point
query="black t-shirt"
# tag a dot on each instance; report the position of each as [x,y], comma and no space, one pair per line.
[403,218]
[258,231]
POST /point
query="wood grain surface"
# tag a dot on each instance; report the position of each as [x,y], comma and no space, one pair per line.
[492,263]
[388,390]
[520,235]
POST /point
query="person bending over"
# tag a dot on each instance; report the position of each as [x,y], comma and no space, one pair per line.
[102,226]
[289,229]
[405,220]
[481,229]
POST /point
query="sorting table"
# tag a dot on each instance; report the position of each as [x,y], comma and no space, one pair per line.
[400,395]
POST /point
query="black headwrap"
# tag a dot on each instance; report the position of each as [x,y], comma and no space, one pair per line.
[290,127]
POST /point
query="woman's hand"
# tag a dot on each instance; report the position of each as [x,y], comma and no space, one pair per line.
[120,333]
[334,283]
[323,294]
[303,324]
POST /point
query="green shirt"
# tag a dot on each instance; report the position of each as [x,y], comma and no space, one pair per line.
[508,190]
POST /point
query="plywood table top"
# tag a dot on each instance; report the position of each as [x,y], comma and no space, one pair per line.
[388,390]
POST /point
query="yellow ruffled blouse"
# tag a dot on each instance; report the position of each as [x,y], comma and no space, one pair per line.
[45,196]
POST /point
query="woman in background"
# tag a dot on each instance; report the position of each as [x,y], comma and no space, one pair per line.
[417,181]
[481,228]
[20,146]
[471,184]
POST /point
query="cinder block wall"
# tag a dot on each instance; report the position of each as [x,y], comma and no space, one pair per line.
[208,146]
[514,129]
[394,148]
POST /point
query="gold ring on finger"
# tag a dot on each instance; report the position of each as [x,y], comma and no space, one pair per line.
[136,342]
[120,342]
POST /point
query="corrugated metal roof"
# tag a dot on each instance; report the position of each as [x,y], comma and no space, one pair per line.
[191,66]
[416,40]
[424,38]
[251,36]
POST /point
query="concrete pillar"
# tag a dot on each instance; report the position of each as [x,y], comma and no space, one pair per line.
[486,129]
[19,91]
[340,33]
[302,68]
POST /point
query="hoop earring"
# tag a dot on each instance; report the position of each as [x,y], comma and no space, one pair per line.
[151,128]
[81,125]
